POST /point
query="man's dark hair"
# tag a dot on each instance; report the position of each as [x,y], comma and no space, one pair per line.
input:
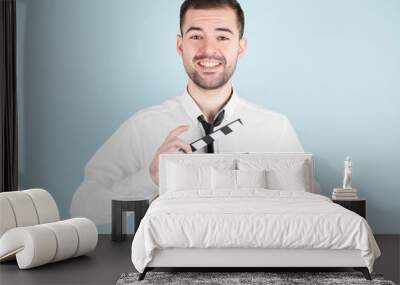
[212,4]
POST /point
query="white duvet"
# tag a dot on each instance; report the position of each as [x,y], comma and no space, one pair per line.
[251,218]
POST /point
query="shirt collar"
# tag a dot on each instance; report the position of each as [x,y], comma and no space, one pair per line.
[193,110]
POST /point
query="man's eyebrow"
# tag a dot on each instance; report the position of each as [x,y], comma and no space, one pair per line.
[224,30]
[193,29]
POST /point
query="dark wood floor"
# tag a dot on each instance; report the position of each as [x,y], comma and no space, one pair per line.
[110,260]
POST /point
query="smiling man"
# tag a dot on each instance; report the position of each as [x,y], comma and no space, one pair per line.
[210,43]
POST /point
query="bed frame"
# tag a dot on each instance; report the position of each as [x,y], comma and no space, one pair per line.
[251,259]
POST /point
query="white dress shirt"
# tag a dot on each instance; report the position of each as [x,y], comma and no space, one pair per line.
[121,166]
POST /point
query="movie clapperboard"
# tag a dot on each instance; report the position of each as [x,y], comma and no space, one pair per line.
[217,134]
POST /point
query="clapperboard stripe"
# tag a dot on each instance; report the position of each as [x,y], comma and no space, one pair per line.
[221,132]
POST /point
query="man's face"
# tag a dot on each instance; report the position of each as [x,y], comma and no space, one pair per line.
[210,46]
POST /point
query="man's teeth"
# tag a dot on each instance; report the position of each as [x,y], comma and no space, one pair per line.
[209,63]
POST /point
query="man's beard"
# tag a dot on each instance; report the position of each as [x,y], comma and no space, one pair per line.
[217,82]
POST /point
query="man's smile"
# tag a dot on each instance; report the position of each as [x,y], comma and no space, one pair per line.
[209,65]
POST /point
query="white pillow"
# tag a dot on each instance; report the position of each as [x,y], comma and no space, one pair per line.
[223,179]
[282,174]
[229,179]
[287,179]
[251,178]
[188,177]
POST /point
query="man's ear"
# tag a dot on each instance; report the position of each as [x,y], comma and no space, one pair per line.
[179,47]
[242,47]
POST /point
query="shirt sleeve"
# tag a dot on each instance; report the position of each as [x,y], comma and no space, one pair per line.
[115,170]
[289,141]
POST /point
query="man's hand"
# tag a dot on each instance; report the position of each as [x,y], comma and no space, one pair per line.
[171,144]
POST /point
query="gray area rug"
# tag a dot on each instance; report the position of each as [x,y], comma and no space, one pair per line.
[269,278]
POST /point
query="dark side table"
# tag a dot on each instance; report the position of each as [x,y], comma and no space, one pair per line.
[119,207]
[357,206]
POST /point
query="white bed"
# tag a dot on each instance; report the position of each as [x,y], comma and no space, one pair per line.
[202,220]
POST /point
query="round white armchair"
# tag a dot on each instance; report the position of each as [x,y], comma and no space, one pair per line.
[32,233]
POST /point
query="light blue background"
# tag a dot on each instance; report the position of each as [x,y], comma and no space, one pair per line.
[333,67]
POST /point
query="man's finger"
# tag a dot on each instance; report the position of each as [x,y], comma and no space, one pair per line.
[180,144]
[184,146]
[176,132]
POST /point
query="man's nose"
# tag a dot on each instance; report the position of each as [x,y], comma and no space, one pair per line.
[209,45]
